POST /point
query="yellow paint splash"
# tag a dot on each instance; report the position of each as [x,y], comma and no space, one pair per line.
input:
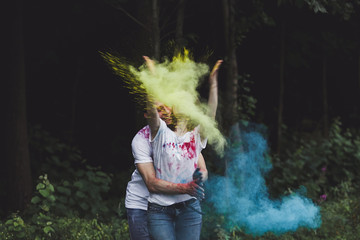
[173,83]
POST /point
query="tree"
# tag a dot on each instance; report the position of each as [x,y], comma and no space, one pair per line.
[231,109]
[15,160]
[179,31]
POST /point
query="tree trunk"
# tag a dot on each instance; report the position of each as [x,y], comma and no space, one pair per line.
[16,173]
[325,98]
[359,75]
[156,29]
[231,88]
[231,109]
[281,90]
[179,34]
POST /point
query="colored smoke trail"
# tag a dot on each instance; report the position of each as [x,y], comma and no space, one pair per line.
[242,195]
[173,83]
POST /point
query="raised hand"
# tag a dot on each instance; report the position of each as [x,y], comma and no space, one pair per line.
[150,64]
[214,72]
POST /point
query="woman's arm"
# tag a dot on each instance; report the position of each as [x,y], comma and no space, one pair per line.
[201,164]
[213,89]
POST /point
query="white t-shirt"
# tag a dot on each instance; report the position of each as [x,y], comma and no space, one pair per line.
[175,160]
[136,192]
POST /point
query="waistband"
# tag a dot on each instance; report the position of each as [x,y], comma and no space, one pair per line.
[178,205]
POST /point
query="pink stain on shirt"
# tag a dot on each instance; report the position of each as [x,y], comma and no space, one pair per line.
[145,132]
[189,148]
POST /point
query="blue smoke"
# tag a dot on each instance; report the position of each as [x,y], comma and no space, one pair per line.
[242,196]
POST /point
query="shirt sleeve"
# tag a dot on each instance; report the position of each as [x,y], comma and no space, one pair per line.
[141,149]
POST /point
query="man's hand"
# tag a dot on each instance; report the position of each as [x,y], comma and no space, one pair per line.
[194,189]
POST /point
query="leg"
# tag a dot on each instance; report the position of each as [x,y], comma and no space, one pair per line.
[161,222]
[188,222]
[137,219]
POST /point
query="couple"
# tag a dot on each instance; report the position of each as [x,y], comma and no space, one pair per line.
[170,166]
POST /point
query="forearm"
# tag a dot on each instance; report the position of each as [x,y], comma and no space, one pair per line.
[213,89]
[202,167]
[204,174]
[152,114]
[213,99]
[156,185]
[152,118]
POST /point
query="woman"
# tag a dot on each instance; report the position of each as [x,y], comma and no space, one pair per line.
[175,154]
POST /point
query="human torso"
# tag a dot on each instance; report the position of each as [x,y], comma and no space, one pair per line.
[136,192]
[175,160]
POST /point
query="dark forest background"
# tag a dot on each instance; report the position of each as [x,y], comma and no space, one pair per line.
[291,65]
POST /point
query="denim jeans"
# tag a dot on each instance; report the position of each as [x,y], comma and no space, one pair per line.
[137,219]
[181,221]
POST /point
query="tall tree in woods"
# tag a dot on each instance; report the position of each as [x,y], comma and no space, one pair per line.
[281,87]
[325,92]
[146,17]
[155,27]
[238,19]
[315,6]
[15,169]
[231,89]
[179,31]
[331,43]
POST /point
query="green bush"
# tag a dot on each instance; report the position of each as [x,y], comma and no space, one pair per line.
[42,222]
[317,162]
[74,205]
[65,228]
[80,188]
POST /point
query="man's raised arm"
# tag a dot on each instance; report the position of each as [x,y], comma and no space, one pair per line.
[152,114]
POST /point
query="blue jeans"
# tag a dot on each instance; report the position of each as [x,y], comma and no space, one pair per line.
[137,219]
[180,221]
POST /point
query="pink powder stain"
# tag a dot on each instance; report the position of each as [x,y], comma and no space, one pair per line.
[145,132]
[189,148]
[195,165]
[159,170]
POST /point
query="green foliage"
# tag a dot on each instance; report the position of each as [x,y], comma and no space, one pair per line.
[84,192]
[79,186]
[65,228]
[317,162]
[43,222]
[73,205]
